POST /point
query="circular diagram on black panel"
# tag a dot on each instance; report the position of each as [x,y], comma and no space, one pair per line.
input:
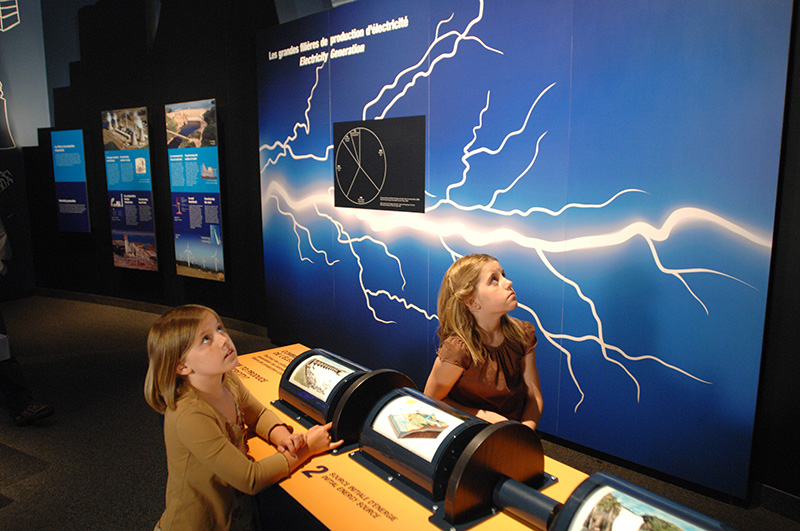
[360,165]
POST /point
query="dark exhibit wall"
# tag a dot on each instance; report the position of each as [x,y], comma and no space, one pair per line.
[18,279]
[776,461]
[625,178]
[23,88]
[160,65]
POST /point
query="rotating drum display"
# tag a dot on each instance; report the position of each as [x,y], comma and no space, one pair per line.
[314,381]
[462,468]
[318,387]
[417,439]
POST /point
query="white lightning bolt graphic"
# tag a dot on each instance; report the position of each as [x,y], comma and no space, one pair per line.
[284,148]
[426,73]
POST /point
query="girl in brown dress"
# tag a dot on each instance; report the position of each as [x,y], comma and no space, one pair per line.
[486,362]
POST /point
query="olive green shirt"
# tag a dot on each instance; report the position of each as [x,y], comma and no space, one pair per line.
[207,460]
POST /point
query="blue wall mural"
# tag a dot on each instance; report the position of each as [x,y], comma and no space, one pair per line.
[619,158]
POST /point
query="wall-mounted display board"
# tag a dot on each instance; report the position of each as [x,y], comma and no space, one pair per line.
[69,171]
[195,184]
[621,160]
[380,164]
[126,142]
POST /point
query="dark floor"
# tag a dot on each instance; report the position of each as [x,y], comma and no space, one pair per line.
[98,463]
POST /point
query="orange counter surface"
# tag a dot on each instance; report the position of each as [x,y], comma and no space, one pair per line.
[344,495]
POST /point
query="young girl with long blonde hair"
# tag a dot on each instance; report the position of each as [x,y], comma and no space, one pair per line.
[486,362]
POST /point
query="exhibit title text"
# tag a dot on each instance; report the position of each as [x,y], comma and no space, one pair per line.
[307,50]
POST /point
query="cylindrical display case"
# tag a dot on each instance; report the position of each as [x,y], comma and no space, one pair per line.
[606,502]
[314,382]
[418,437]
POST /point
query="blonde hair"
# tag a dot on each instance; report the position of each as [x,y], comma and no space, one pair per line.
[458,286]
[169,339]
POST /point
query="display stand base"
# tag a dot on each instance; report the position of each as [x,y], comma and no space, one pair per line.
[439,517]
[436,507]
[285,407]
[396,480]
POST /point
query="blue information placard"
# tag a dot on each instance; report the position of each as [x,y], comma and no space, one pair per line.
[195,186]
[69,171]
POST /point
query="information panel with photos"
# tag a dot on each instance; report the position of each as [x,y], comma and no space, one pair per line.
[195,187]
[126,142]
